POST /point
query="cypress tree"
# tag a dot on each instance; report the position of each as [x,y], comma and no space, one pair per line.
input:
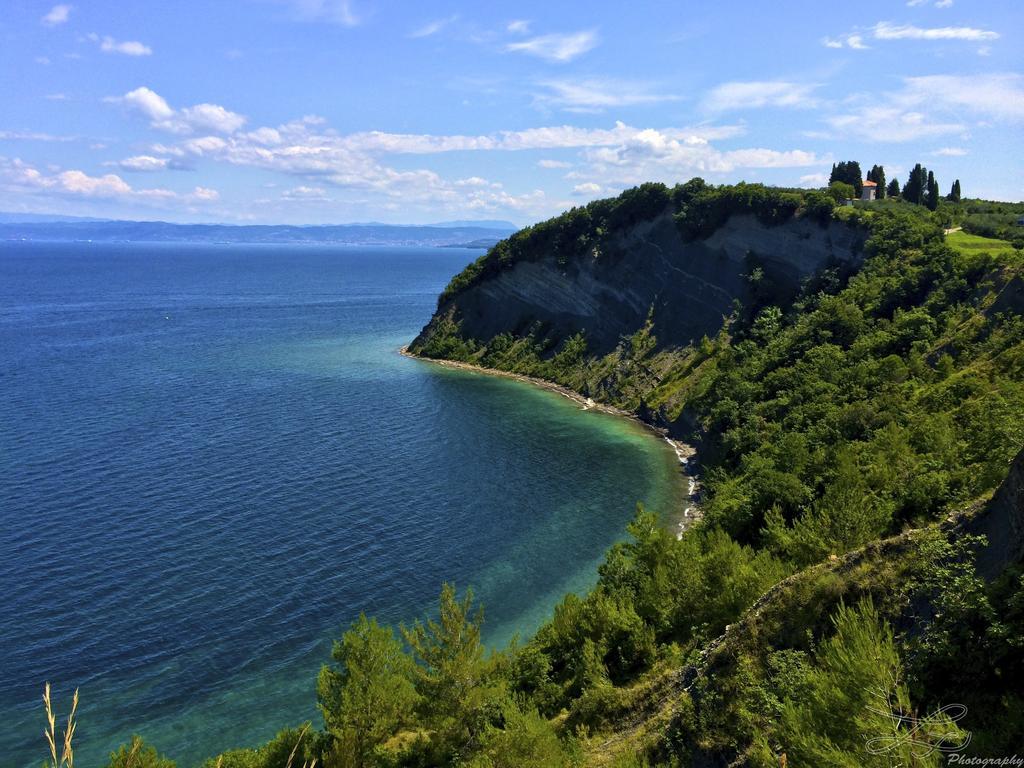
[893,190]
[918,186]
[932,200]
[915,188]
[879,179]
[954,192]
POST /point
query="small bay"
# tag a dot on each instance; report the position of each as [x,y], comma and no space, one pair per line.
[212,458]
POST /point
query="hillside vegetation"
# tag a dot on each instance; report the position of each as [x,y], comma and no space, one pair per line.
[844,408]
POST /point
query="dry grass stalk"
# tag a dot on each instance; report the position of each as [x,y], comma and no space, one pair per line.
[67,755]
[291,757]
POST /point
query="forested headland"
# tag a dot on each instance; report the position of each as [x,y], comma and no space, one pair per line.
[858,407]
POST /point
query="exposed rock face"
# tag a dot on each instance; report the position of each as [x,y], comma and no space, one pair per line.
[691,286]
[1002,521]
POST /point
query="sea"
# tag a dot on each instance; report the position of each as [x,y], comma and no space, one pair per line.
[213,458]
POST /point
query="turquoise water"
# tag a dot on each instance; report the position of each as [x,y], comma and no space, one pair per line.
[213,458]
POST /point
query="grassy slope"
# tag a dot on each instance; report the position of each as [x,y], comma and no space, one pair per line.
[974,245]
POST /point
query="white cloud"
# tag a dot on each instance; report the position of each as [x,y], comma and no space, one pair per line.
[204,194]
[206,145]
[59,14]
[332,11]
[557,47]
[44,60]
[944,3]
[891,122]
[587,188]
[305,193]
[77,182]
[56,97]
[148,102]
[814,180]
[33,136]
[950,152]
[163,117]
[213,117]
[266,136]
[756,94]
[518,27]
[885,30]
[127,47]
[851,40]
[433,27]
[598,94]
[934,105]
[142,163]
[24,178]
[652,155]
[350,171]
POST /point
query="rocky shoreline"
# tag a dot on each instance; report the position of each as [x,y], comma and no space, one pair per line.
[681,519]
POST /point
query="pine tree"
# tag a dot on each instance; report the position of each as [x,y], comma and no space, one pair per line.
[893,190]
[855,707]
[451,673]
[369,695]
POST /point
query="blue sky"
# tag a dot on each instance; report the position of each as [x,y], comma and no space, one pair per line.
[331,111]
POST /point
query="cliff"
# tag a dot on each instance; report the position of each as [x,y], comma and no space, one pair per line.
[688,286]
[691,286]
[1002,523]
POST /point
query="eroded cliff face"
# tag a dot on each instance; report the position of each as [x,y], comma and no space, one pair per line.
[1002,523]
[690,286]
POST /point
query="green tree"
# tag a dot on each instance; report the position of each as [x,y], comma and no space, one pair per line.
[138,754]
[954,192]
[291,748]
[932,198]
[855,710]
[457,685]
[877,175]
[526,740]
[848,515]
[893,190]
[916,188]
[369,695]
[840,191]
[848,172]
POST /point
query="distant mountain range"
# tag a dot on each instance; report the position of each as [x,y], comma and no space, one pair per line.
[42,227]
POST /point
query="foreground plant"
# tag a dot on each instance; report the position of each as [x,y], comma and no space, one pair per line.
[67,755]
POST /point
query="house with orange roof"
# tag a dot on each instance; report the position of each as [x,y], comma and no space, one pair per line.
[869,191]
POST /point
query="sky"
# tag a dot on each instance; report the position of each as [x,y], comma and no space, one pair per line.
[337,111]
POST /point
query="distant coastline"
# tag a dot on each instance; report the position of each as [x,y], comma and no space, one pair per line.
[681,519]
[440,235]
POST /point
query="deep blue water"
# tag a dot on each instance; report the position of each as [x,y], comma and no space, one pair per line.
[212,458]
